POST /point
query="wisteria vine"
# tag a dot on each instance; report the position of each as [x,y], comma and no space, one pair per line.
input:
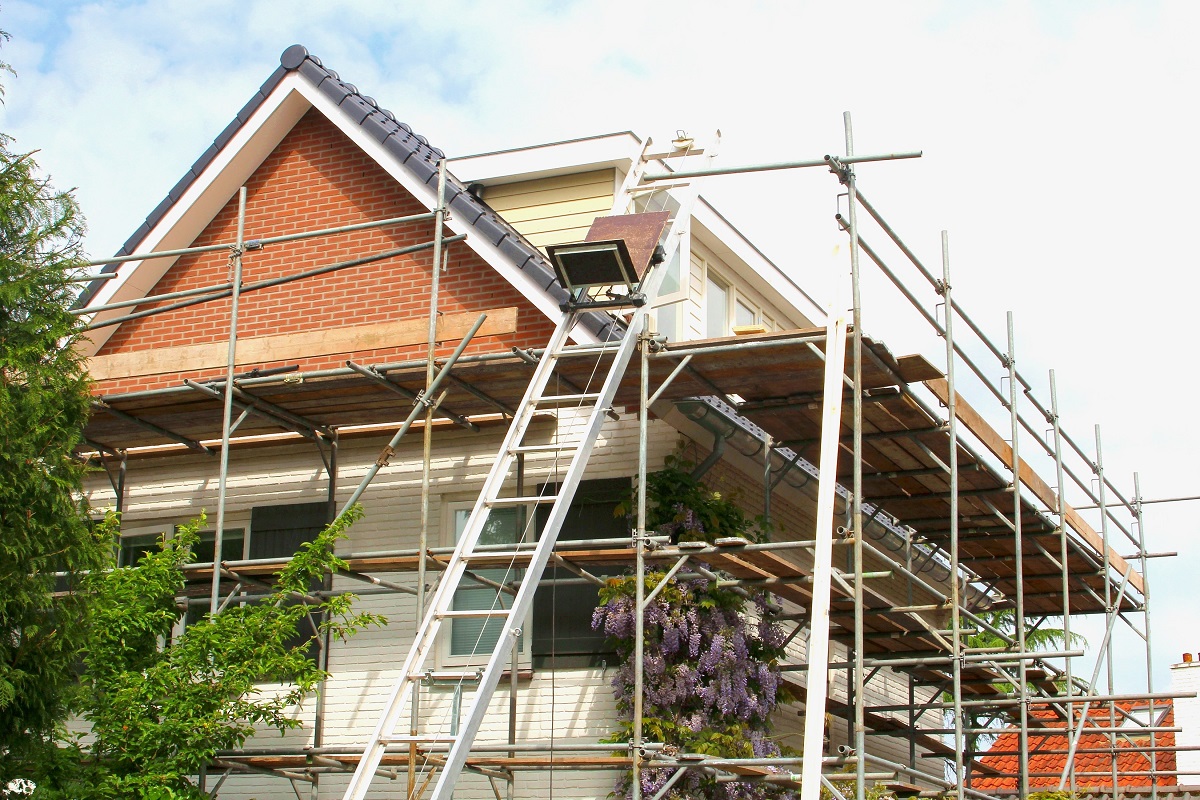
[710,658]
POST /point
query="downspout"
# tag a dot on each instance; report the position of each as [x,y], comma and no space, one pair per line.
[718,450]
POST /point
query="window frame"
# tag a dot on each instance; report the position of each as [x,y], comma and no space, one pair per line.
[452,504]
[679,297]
[734,295]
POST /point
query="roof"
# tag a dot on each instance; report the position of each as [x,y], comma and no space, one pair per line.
[1092,768]
[413,152]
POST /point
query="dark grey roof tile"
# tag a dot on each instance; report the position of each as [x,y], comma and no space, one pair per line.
[224,136]
[377,125]
[491,229]
[295,56]
[422,170]
[515,250]
[251,106]
[356,108]
[313,72]
[179,188]
[332,88]
[205,157]
[466,210]
[158,212]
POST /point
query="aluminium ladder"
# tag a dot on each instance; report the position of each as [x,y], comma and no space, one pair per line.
[458,572]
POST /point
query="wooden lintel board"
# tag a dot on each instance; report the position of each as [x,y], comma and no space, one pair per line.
[255,350]
[1001,449]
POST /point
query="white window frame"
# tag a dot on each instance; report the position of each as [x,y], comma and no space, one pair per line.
[734,295]
[450,506]
[680,296]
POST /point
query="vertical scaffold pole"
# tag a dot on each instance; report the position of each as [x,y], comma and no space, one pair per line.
[639,616]
[227,409]
[1111,605]
[1063,555]
[955,599]
[860,728]
[439,218]
[1018,546]
[1137,510]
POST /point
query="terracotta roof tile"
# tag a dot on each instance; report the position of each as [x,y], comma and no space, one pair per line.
[1093,769]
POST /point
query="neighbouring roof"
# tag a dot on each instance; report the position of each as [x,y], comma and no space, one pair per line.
[1093,769]
[410,149]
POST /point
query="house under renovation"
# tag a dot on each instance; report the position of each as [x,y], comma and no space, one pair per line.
[490,353]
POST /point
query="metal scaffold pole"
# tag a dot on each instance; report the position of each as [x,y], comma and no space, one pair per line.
[1063,555]
[439,217]
[639,617]
[860,727]
[955,583]
[1141,526]
[1112,605]
[235,259]
[1018,546]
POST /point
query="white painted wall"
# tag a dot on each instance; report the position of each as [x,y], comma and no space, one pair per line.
[1185,677]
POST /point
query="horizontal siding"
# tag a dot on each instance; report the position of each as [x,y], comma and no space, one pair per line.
[554,210]
[568,705]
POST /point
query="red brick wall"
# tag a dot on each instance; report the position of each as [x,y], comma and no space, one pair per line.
[317,178]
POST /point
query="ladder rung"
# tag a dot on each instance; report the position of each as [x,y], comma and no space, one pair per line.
[447,675]
[418,739]
[500,502]
[543,448]
[473,613]
[562,399]
[585,350]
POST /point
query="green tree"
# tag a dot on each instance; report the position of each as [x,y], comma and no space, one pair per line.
[1042,637]
[159,714]
[44,527]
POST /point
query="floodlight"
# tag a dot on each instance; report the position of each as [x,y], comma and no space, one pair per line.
[588,264]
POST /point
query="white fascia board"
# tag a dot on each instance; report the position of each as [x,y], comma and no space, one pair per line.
[548,160]
[201,202]
[719,235]
[427,196]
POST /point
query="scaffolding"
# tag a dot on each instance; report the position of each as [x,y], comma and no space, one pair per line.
[908,475]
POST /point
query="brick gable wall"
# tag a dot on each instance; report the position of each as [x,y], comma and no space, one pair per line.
[318,178]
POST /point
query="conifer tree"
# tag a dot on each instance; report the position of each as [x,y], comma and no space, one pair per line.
[45,530]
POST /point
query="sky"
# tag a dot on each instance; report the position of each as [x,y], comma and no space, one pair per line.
[1059,143]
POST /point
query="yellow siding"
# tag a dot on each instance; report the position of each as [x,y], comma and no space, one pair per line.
[554,210]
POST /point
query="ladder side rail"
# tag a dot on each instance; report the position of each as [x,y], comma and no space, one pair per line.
[443,595]
[521,604]
[624,195]
[426,633]
[456,758]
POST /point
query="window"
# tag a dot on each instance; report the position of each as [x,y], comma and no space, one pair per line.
[475,638]
[716,306]
[669,305]
[726,307]
[131,548]
[277,532]
[562,613]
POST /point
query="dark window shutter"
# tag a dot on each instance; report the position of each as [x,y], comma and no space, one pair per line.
[562,615]
[278,531]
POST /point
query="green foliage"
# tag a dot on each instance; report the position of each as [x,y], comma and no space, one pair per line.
[44,528]
[159,714]
[710,666]
[682,507]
